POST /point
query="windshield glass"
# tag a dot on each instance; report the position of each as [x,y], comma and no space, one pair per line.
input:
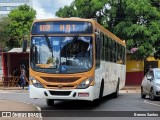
[157,74]
[61,54]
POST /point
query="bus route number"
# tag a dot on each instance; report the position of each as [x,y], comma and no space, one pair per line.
[45,27]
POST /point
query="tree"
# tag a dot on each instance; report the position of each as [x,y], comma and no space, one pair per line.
[20,23]
[140,27]
[82,9]
[67,11]
[4,23]
[135,21]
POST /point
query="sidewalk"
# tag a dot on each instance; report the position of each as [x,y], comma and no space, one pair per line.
[131,89]
[13,90]
[9,105]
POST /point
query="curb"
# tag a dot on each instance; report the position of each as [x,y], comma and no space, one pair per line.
[129,91]
[12,88]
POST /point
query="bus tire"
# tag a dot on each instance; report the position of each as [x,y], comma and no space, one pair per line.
[50,102]
[97,102]
[115,94]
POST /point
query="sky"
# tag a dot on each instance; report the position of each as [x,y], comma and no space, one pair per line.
[48,8]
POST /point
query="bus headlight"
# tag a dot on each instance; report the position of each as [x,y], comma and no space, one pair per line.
[85,84]
[35,82]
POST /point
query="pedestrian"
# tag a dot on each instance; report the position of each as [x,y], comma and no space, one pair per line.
[22,76]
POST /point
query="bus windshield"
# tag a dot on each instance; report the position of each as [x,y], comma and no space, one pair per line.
[63,54]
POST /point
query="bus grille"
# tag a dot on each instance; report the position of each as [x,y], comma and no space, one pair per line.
[60,80]
[61,93]
[63,86]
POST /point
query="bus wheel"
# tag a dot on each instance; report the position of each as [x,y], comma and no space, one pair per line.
[96,102]
[50,102]
[115,94]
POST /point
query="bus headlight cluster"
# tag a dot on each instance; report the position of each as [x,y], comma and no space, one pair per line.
[85,83]
[35,82]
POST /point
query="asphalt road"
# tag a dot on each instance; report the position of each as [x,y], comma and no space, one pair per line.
[125,102]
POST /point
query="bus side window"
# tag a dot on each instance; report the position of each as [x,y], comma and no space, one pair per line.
[116,52]
[111,49]
[123,55]
[107,58]
[102,47]
[97,50]
[120,54]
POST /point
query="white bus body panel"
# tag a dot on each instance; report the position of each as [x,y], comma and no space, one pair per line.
[110,73]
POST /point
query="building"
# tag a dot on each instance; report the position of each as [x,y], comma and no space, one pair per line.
[136,69]
[7,5]
[13,59]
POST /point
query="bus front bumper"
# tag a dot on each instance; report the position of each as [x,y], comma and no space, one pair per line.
[62,94]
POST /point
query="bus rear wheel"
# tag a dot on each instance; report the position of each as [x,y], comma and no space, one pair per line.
[115,94]
[50,102]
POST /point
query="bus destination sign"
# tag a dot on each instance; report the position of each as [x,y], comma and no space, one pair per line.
[62,27]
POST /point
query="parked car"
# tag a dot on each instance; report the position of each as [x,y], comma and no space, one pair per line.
[151,84]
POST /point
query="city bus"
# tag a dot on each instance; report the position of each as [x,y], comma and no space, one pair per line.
[75,59]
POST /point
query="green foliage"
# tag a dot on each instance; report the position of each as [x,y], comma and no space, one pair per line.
[18,27]
[135,21]
[67,11]
[143,52]
[81,8]
[140,27]
[21,21]
[4,23]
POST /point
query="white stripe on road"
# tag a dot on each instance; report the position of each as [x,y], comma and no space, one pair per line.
[145,101]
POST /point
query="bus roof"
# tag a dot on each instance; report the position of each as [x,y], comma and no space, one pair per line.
[65,19]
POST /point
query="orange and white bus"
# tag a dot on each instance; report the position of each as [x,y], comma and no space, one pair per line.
[75,59]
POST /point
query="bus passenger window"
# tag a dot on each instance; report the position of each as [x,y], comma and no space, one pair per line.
[97,51]
[107,57]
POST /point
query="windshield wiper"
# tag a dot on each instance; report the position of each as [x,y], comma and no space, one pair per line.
[48,43]
[73,41]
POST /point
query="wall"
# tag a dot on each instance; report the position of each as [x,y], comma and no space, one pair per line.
[134,71]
